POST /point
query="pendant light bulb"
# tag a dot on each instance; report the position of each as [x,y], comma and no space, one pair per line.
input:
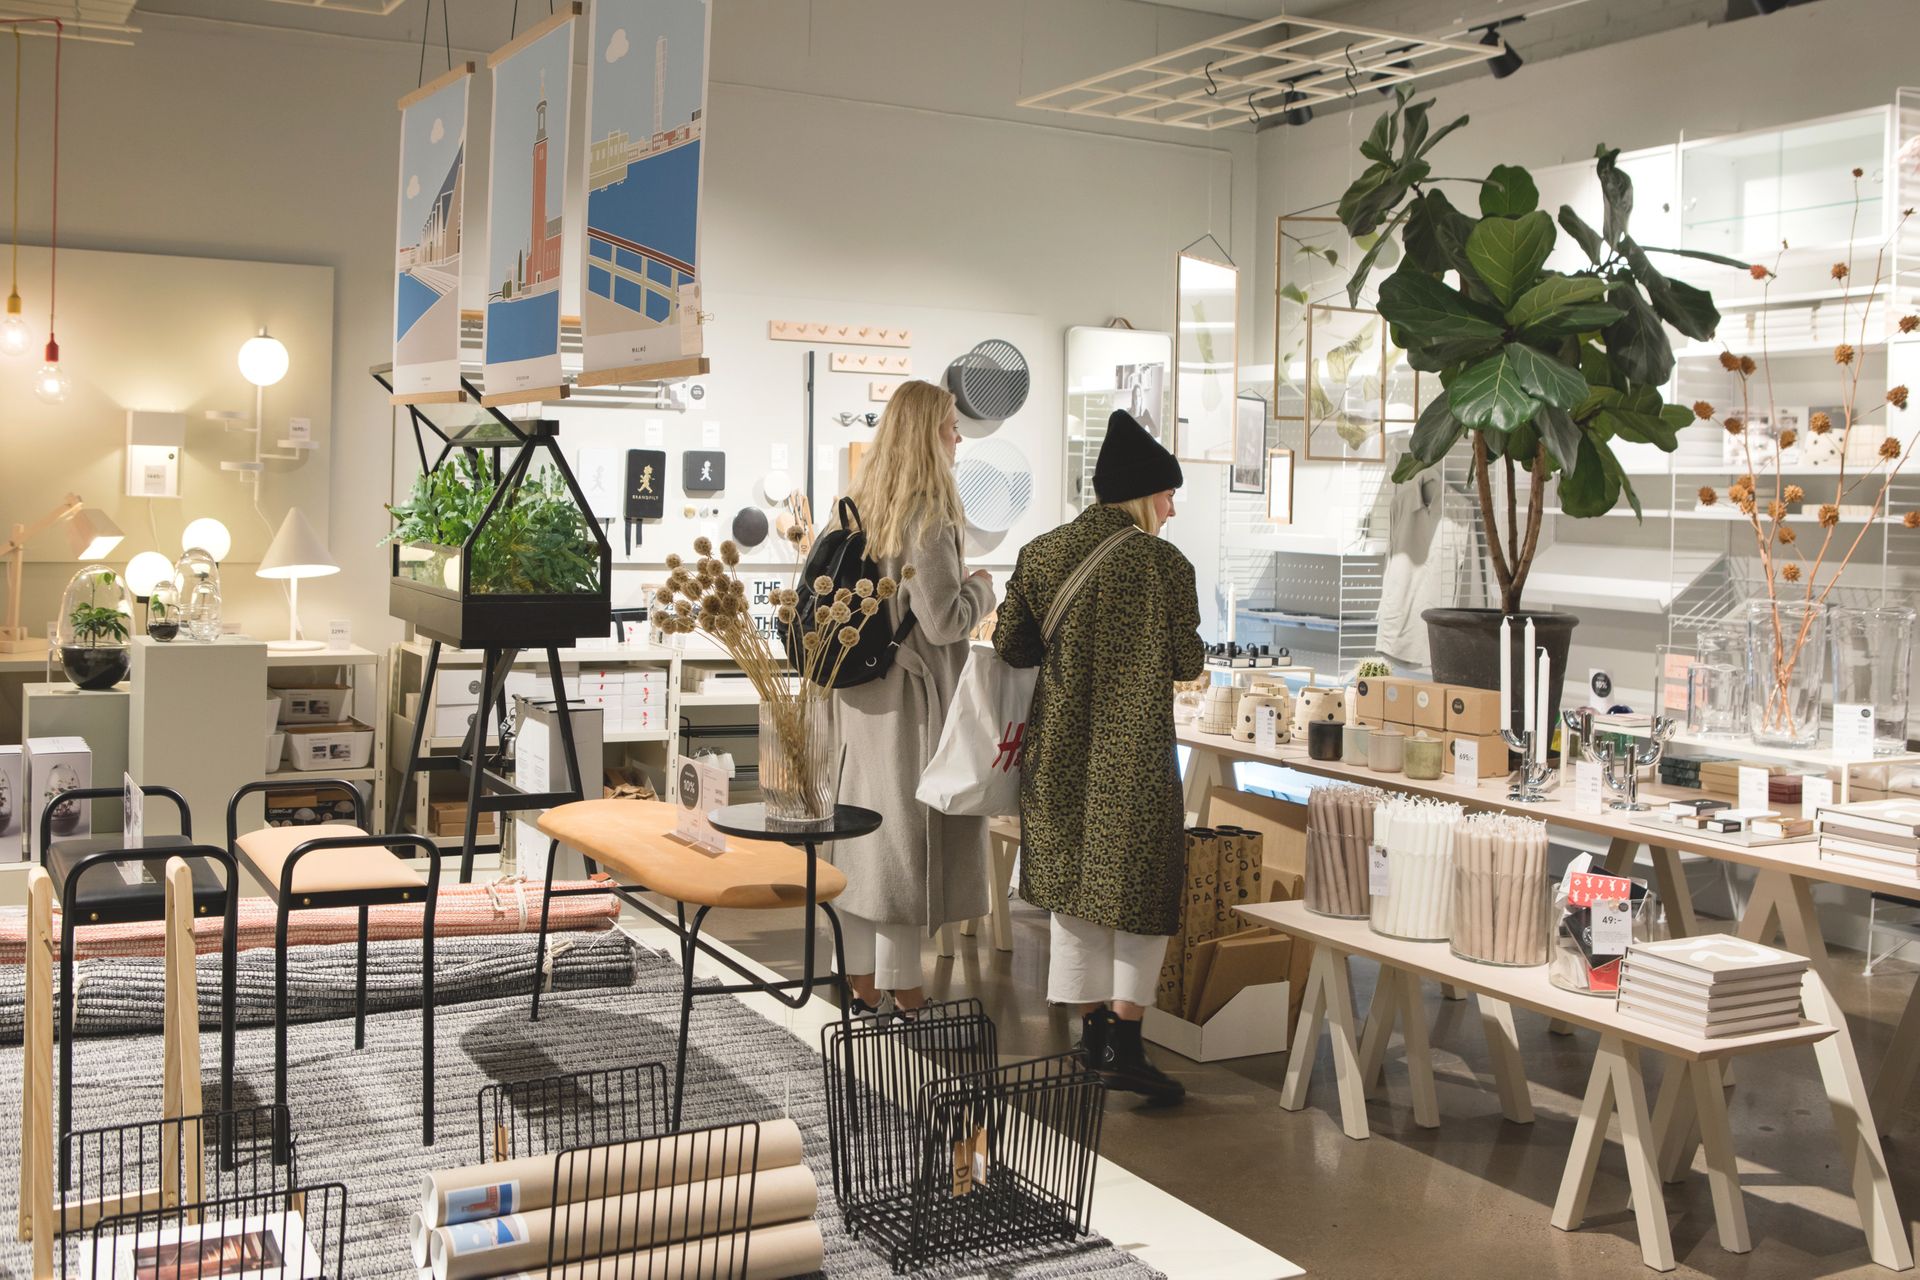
[51,383]
[15,338]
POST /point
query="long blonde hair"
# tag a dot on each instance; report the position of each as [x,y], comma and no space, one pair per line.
[905,477]
[1142,511]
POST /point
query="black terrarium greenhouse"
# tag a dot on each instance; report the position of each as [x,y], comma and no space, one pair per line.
[495,547]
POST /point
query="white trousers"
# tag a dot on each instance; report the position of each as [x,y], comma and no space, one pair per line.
[890,952]
[1091,964]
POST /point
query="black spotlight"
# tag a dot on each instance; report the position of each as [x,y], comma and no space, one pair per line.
[1386,90]
[1507,62]
[1293,114]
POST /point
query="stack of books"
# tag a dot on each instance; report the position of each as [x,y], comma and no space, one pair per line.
[1880,835]
[1712,986]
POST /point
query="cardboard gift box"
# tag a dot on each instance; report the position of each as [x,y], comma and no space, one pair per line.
[1370,698]
[287,808]
[1429,706]
[1493,753]
[1474,712]
[54,765]
[1396,699]
[449,818]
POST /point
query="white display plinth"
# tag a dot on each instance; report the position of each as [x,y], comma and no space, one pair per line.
[196,725]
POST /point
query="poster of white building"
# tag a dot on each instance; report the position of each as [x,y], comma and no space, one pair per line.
[426,266]
[532,79]
[646,117]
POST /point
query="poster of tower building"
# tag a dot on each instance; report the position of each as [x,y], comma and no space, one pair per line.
[532,77]
[426,267]
[646,115]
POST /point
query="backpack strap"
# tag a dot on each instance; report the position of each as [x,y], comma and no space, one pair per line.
[1056,612]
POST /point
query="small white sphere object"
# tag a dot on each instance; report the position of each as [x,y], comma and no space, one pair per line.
[263,359]
[209,535]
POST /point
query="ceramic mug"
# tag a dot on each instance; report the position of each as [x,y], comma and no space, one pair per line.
[1386,750]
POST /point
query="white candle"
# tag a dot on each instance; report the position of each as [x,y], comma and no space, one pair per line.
[1545,699]
[1526,670]
[1233,602]
[1506,674]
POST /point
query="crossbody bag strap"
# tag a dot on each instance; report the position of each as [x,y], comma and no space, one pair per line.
[1077,580]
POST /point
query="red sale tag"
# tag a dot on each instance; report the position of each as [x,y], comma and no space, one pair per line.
[1584,889]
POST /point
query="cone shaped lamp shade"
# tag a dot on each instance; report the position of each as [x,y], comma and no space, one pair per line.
[297,552]
[91,534]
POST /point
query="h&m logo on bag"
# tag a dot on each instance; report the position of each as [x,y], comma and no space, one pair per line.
[1012,738]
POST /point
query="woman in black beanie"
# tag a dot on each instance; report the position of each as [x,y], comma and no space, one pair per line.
[1108,612]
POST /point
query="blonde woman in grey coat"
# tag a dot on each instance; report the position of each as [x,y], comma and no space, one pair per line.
[922,869]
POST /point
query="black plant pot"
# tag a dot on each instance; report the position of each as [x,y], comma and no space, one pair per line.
[96,667]
[1465,645]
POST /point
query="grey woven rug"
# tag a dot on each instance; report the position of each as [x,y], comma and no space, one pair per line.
[121,996]
[357,1115]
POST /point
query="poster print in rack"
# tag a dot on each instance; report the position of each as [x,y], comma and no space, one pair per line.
[646,124]
[432,222]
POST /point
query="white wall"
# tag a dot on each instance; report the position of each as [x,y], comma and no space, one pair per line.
[862,153]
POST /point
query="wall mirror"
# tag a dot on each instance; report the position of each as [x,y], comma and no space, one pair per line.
[1112,367]
[1207,375]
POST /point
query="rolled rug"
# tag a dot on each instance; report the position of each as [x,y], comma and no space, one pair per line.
[765,1253]
[502,1187]
[641,1221]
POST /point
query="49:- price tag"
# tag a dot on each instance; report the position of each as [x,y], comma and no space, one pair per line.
[1612,928]
[1377,881]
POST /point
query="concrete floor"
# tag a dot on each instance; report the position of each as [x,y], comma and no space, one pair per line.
[1472,1197]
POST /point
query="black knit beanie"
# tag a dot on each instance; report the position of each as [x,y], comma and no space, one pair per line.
[1132,463]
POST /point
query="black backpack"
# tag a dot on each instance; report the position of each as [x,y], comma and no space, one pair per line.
[840,554]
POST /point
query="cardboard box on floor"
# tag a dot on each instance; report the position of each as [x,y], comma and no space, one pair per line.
[1283,824]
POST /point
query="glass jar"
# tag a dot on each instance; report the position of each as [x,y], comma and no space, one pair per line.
[1786,671]
[95,616]
[1872,658]
[799,760]
[196,576]
[163,611]
[1717,683]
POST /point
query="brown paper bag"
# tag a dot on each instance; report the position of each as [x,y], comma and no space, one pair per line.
[1241,962]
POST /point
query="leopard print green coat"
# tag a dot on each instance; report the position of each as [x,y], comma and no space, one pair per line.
[1101,808]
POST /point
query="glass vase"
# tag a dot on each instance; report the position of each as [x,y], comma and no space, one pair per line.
[1872,658]
[1717,683]
[1786,671]
[799,760]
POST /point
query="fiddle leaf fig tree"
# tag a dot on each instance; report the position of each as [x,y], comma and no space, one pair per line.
[1541,370]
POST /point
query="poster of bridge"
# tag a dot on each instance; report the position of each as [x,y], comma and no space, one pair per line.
[426,267]
[646,119]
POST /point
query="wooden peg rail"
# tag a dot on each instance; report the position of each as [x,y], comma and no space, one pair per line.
[869,362]
[856,335]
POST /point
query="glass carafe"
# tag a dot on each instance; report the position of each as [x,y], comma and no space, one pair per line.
[1872,662]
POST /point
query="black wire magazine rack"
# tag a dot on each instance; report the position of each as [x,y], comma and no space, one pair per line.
[572,1109]
[294,1234]
[940,1152]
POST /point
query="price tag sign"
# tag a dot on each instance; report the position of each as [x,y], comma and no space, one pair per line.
[1266,727]
[1612,928]
[299,431]
[1588,790]
[1378,883]
[1853,730]
[656,434]
[1815,794]
[709,435]
[1466,763]
[698,789]
[339,634]
[1753,790]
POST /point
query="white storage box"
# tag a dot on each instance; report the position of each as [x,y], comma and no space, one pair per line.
[55,765]
[319,747]
[322,704]
[273,714]
[13,803]
[276,750]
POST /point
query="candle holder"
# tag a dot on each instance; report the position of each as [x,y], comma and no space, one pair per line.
[1620,767]
[1530,778]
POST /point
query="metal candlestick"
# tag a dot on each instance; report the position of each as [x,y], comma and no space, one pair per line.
[1620,767]
[1530,778]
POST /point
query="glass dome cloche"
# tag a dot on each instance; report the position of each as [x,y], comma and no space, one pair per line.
[196,580]
[164,610]
[95,615]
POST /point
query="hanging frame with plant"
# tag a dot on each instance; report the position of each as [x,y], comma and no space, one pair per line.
[1541,371]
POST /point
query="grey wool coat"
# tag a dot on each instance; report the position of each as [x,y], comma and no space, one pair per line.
[1101,811]
[920,867]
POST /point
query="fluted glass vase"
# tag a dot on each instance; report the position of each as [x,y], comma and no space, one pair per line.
[799,760]
[1786,671]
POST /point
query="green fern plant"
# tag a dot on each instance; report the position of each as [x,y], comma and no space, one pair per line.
[536,542]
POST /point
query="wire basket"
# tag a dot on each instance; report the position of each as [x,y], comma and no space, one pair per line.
[940,1152]
[572,1109]
[290,1234]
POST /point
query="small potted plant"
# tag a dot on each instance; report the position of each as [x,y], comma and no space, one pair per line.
[93,628]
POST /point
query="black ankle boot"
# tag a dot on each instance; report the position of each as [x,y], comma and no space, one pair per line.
[1096,1033]
[1125,1067]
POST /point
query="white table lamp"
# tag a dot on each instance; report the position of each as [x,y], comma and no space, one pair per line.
[297,552]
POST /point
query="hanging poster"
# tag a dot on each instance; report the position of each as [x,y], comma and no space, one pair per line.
[646,115]
[426,266]
[532,78]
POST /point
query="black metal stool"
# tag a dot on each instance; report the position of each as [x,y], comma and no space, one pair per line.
[87,873]
[358,870]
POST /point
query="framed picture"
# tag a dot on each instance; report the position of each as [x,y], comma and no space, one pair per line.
[1112,367]
[1280,486]
[1206,358]
[1249,471]
[1353,392]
